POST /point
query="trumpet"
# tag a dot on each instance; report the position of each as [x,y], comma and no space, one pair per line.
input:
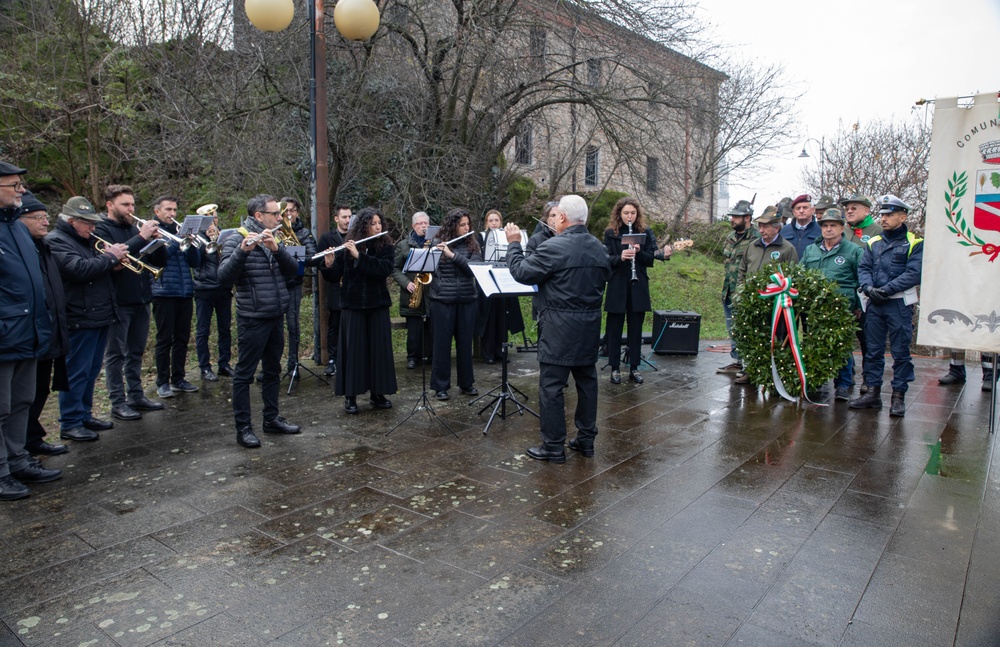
[130,262]
[210,244]
[182,243]
[286,230]
[334,250]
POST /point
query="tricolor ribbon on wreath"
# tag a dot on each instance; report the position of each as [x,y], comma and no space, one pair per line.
[780,289]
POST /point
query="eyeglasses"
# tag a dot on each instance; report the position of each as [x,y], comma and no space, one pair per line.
[86,223]
[15,185]
[269,213]
[41,217]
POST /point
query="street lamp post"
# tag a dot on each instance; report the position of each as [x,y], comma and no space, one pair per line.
[822,160]
[355,20]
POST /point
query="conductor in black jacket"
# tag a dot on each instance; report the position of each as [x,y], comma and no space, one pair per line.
[570,270]
[260,268]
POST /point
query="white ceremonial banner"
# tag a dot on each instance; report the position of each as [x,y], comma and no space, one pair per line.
[960,283]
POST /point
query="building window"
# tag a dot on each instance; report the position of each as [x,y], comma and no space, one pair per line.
[652,174]
[593,71]
[536,46]
[523,145]
[590,169]
[699,193]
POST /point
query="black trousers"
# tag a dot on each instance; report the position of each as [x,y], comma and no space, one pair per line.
[615,322]
[332,333]
[219,303]
[173,333]
[260,341]
[452,321]
[418,338]
[43,385]
[552,382]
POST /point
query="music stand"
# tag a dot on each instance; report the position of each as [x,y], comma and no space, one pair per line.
[423,260]
[497,282]
[298,252]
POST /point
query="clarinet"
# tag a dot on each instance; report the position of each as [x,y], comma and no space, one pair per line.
[635,277]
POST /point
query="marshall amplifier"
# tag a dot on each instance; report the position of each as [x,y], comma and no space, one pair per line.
[676,332]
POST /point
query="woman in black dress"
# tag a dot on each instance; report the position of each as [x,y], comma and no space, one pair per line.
[625,299]
[452,302]
[364,353]
[496,315]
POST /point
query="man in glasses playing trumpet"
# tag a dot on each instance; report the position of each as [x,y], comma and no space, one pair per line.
[127,336]
[260,268]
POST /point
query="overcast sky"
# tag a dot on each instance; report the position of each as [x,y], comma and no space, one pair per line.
[859,60]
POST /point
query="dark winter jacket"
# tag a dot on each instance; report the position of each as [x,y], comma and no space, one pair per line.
[329,240]
[571,271]
[25,327]
[363,279]
[893,261]
[801,238]
[620,284]
[306,238]
[91,297]
[402,279]
[205,268]
[133,289]
[175,281]
[759,255]
[453,282]
[55,299]
[260,277]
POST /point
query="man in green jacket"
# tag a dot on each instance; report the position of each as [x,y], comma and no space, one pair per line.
[838,259]
[733,251]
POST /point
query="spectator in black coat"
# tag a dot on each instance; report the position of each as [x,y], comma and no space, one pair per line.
[329,240]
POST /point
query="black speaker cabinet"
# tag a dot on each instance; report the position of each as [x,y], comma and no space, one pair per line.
[676,332]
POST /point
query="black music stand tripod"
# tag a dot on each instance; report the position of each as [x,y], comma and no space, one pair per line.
[423,262]
[295,372]
[504,392]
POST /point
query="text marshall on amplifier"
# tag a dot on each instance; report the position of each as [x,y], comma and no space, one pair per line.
[676,332]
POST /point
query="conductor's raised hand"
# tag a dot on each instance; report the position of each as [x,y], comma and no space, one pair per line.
[513,233]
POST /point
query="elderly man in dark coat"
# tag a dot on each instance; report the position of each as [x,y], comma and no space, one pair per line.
[571,270]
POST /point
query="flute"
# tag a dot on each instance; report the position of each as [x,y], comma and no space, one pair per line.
[455,240]
[334,250]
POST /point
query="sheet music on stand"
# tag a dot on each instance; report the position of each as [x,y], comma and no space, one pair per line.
[422,259]
[633,239]
[494,279]
[194,225]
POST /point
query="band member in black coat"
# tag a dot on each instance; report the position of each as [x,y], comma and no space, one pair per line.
[453,304]
[627,299]
[333,238]
[495,312]
[365,353]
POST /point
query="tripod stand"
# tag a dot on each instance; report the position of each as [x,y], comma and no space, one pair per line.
[295,371]
[423,403]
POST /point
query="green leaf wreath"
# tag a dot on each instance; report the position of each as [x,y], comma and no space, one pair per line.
[826,329]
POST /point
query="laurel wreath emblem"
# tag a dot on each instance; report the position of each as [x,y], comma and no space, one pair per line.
[957,187]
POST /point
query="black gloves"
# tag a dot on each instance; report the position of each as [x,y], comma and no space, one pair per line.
[878,296]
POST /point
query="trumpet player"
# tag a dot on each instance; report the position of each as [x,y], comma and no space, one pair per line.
[259,267]
[627,300]
[173,306]
[91,309]
[304,236]
[134,292]
[418,330]
[211,298]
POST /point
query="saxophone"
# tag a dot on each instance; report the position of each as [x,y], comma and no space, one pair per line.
[421,279]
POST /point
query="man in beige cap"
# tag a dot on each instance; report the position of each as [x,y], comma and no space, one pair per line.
[91,308]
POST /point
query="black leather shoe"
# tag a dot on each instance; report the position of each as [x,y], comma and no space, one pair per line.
[225,371]
[45,449]
[616,377]
[35,473]
[951,378]
[96,424]
[491,361]
[125,412]
[145,404]
[280,426]
[380,402]
[208,376]
[470,391]
[442,395]
[246,438]
[635,376]
[541,454]
[586,449]
[411,364]
[11,489]
[350,404]
[79,434]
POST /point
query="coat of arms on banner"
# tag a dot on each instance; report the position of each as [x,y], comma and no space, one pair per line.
[962,234]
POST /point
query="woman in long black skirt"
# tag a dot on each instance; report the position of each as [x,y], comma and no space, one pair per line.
[364,350]
[452,302]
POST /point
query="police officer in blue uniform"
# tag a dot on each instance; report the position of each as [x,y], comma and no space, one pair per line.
[888,274]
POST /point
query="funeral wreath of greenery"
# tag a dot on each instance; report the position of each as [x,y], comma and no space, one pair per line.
[826,329]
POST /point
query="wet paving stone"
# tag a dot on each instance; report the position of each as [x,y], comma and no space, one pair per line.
[711,515]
